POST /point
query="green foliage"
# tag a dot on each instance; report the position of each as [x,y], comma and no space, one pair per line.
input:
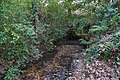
[81,25]
[98,29]
[116,42]
[105,49]
[19,40]
[84,42]
[106,15]
[80,16]
[53,27]
[16,36]
[16,44]
[14,11]
[13,73]
[117,33]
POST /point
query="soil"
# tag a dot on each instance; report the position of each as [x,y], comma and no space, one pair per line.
[69,64]
[59,67]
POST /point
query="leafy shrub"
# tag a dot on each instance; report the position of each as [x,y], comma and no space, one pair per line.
[106,15]
[54,25]
[83,42]
[16,36]
[16,44]
[106,48]
[98,29]
[13,73]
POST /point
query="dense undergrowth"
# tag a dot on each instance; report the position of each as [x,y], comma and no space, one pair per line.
[108,47]
[28,28]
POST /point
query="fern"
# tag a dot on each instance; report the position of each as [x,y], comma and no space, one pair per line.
[98,29]
[117,33]
[84,42]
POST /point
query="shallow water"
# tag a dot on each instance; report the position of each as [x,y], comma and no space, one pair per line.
[59,66]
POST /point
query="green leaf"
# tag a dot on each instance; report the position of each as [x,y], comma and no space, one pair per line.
[117,33]
[98,29]
[30,31]
[118,63]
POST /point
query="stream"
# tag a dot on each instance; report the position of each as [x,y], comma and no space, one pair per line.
[60,67]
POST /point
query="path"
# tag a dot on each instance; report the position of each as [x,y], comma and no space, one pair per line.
[69,64]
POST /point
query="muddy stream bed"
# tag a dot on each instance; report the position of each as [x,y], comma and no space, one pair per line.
[61,66]
[68,63]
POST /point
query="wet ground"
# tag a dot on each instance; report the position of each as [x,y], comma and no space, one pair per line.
[60,67]
[69,63]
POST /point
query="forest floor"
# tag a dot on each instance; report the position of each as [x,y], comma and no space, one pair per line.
[69,63]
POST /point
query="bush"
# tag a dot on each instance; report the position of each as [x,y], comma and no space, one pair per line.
[19,40]
[16,36]
[106,48]
[16,44]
